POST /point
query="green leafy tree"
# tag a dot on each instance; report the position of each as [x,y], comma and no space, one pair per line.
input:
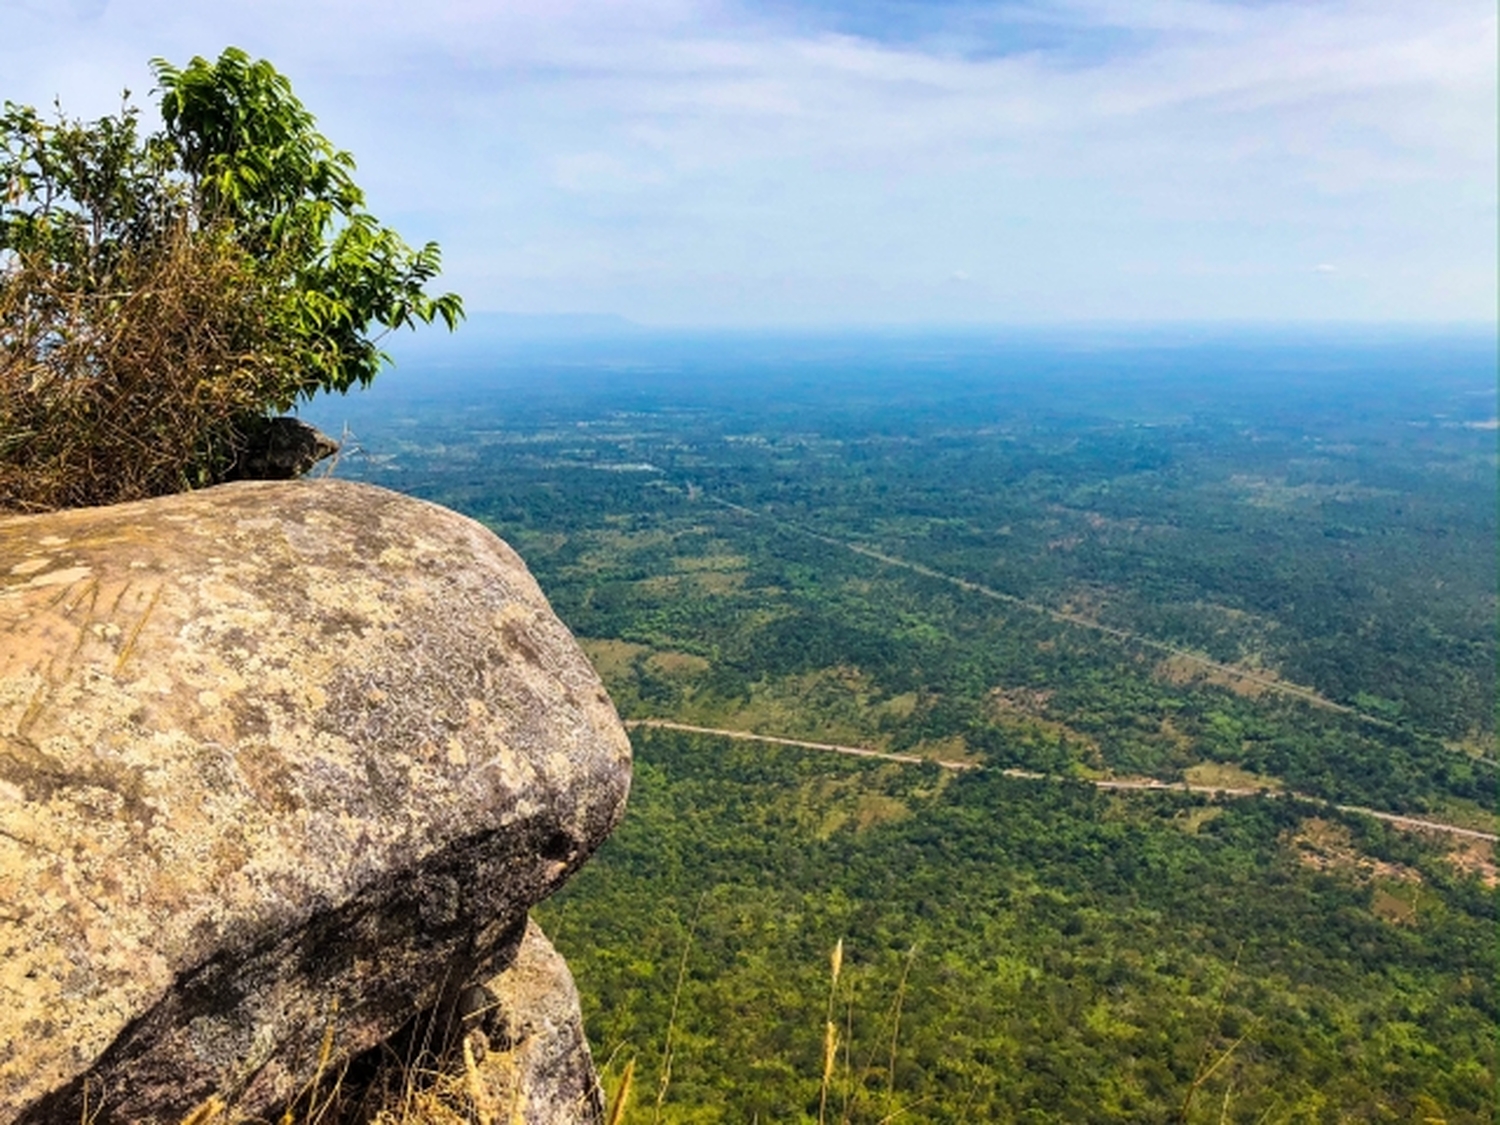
[162,294]
[255,161]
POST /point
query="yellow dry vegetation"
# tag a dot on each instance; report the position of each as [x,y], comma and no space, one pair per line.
[1226,775]
[661,586]
[607,545]
[715,562]
[1251,683]
[1019,700]
[898,706]
[1390,905]
[1021,711]
[867,811]
[950,749]
[1183,748]
[1192,820]
[719,583]
[612,659]
[1267,492]
[615,660]
[669,662]
[1326,845]
[1466,813]
[1087,602]
[1476,857]
[471,1084]
[1476,744]
[835,705]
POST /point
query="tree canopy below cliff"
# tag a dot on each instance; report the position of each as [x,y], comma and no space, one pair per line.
[1260,563]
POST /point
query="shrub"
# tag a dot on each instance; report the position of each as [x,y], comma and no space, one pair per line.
[160,296]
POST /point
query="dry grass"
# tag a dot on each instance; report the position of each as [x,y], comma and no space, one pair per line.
[668,662]
[1227,775]
[621,1100]
[613,659]
[1180,669]
[426,1076]
[1023,712]
[849,1089]
[456,1085]
[1326,845]
[1477,858]
[135,385]
[830,1029]
[858,1084]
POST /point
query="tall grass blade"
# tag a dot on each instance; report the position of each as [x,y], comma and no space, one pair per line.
[622,1096]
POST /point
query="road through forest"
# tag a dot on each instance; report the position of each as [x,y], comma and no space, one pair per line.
[1234,671]
[1150,784]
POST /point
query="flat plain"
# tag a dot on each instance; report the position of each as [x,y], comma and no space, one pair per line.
[1183,614]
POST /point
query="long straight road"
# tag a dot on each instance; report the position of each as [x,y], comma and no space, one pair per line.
[1146,784]
[1245,675]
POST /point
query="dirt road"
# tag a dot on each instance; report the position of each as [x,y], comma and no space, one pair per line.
[1409,823]
[1307,695]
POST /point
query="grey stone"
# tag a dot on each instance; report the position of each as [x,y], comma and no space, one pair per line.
[525,1039]
[271,755]
[283,448]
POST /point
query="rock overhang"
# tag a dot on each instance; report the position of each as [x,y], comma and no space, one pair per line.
[311,724]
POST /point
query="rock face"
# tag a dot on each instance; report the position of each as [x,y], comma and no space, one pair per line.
[284,449]
[272,755]
[531,1060]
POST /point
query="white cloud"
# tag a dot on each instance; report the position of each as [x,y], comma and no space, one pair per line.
[695,161]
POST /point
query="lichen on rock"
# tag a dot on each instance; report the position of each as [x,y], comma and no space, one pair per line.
[523,1052]
[268,751]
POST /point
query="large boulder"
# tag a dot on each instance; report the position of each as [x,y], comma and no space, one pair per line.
[274,757]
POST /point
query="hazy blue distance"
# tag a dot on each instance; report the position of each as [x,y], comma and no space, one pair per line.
[511,371]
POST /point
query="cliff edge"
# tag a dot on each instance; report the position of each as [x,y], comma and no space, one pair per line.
[275,758]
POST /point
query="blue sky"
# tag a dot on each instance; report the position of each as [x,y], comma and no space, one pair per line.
[682,162]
